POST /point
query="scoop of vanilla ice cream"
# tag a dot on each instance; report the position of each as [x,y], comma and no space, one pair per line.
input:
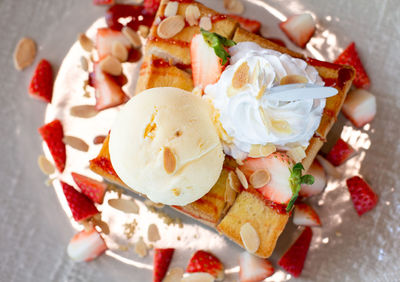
[164,145]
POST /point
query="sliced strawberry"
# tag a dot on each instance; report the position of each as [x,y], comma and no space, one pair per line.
[247,24]
[299,28]
[319,174]
[350,57]
[81,206]
[293,260]
[86,246]
[53,134]
[94,189]
[362,195]
[340,152]
[206,66]
[151,6]
[103,2]
[359,107]
[203,261]
[105,39]
[41,86]
[108,92]
[278,165]
[254,269]
[305,215]
[162,259]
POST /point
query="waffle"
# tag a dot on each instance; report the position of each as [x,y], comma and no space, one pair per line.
[173,69]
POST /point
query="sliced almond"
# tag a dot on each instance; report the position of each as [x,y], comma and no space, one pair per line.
[45,165]
[175,274]
[242,178]
[293,79]
[143,31]
[83,111]
[119,51]
[241,76]
[124,205]
[111,65]
[86,42]
[233,181]
[234,6]
[103,226]
[149,203]
[230,193]
[258,150]
[76,143]
[169,27]
[84,63]
[198,277]
[192,14]
[297,154]
[250,238]
[24,53]
[152,233]
[141,248]
[169,160]
[171,9]
[260,178]
[205,23]
[132,36]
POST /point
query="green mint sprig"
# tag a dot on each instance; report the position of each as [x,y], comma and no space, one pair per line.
[218,43]
[295,180]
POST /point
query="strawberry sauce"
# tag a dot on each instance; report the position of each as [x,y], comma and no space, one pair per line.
[135,15]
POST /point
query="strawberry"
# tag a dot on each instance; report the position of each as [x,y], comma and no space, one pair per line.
[319,174]
[299,28]
[151,6]
[103,2]
[254,269]
[350,57]
[247,24]
[359,107]
[41,86]
[278,164]
[363,197]
[53,134]
[93,189]
[108,92]
[305,215]
[203,261]
[86,246]
[162,259]
[293,260]
[340,152]
[81,206]
[105,39]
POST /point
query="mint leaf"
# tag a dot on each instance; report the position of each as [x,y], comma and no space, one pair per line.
[295,180]
[218,43]
[307,179]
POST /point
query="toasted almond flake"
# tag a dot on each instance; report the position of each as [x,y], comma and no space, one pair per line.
[169,27]
[241,76]
[242,178]
[141,248]
[143,31]
[83,111]
[176,191]
[119,51]
[171,9]
[292,79]
[297,154]
[149,203]
[76,143]
[205,23]
[233,180]
[234,6]
[169,160]
[111,65]
[124,205]
[250,238]
[103,226]
[99,139]
[230,193]
[174,274]
[45,165]
[132,36]
[267,150]
[152,233]
[86,42]
[258,150]
[24,53]
[192,14]
[260,178]
[84,63]
[198,277]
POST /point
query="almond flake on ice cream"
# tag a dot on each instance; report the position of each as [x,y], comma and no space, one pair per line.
[76,143]
[169,161]
[85,42]
[241,76]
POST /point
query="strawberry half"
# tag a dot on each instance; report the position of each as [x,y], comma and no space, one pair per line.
[359,107]
[293,260]
[203,261]
[151,6]
[93,189]
[350,57]
[254,269]
[105,39]
[53,134]
[41,86]
[319,174]
[340,152]
[305,215]
[103,2]
[247,24]
[299,28]
[81,206]
[86,246]
[362,195]
[162,259]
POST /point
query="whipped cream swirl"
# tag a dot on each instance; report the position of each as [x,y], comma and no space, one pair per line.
[256,113]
